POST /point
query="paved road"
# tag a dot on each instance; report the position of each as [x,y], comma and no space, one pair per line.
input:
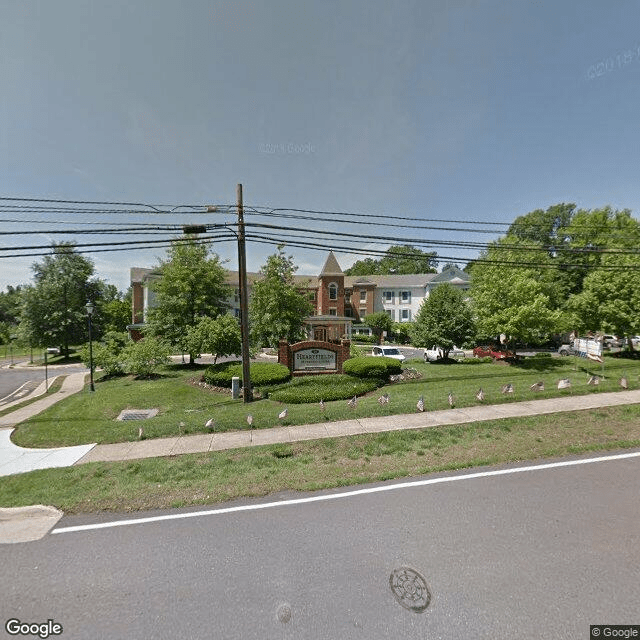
[532,554]
[17,382]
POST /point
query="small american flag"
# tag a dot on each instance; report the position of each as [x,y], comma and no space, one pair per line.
[420,405]
[480,395]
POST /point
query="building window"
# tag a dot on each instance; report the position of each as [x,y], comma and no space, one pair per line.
[389,312]
[347,296]
[405,315]
[333,291]
[348,312]
[363,295]
[387,296]
[363,311]
[333,312]
[405,297]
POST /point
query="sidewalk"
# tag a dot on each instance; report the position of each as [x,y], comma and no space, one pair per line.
[14,459]
[245,438]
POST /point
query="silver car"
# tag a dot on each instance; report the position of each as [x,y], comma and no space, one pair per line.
[388,352]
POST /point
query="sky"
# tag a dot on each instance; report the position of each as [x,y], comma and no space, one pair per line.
[469,110]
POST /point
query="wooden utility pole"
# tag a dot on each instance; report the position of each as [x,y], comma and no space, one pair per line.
[244,302]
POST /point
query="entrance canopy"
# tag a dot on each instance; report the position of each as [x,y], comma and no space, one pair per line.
[328,328]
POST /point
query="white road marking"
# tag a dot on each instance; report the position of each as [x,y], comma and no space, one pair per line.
[16,392]
[346,494]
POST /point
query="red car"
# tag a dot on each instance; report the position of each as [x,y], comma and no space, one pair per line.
[495,353]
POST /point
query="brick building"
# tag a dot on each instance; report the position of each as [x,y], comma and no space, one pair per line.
[339,301]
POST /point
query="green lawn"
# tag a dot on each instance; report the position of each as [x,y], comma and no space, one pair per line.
[210,478]
[184,407]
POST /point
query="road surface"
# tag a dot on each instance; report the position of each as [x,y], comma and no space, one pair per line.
[539,553]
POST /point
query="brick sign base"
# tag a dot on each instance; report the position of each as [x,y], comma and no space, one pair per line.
[314,357]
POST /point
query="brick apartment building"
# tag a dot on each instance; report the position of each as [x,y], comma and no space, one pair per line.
[339,301]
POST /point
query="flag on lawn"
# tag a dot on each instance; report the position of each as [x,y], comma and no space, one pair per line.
[420,405]
[480,395]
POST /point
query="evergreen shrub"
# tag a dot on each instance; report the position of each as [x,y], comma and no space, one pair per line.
[372,367]
[262,373]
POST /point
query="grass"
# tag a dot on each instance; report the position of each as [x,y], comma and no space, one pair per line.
[184,407]
[215,477]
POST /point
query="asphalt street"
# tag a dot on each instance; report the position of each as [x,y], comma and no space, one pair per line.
[523,553]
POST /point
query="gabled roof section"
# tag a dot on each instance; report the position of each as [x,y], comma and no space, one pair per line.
[331,267]
[452,274]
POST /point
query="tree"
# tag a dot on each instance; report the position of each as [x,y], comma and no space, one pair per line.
[511,297]
[277,310]
[398,259]
[113,312]
[191,286]
[379,322]
[610,298]
[220,337]
[445,319]
[144,357]
[53,309]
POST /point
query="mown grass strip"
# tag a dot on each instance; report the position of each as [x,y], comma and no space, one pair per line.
[211,478]
[185,408]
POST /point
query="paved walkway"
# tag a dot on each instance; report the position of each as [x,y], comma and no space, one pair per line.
[234,439]
[14,459]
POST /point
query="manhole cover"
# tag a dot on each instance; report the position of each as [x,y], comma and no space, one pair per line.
[410,589]
[137,414]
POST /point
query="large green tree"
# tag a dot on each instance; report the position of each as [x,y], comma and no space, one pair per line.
[398,259]
[277,309]
[445,319]
[191,285]
[53,308]
[512,293]
[10,303]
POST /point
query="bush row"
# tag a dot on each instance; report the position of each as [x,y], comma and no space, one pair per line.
[262,373]
[372,367]
[324,387]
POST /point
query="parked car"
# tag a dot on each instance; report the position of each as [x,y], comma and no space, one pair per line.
[53,351]
[388,352]
[494,352]
[566,350]
[611,342]
[437,353]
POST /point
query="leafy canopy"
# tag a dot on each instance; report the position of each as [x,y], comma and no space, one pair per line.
[398,259]
[445,319]
[191,285]
[277,309]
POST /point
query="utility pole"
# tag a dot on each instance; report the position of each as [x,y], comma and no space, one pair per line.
[244,302]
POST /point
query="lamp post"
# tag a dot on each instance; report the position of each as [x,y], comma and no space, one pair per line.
[90,309]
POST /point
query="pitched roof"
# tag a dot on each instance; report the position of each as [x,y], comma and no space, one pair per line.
[398,280]
[331,267]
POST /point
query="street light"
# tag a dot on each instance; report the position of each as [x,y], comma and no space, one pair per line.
[90,309]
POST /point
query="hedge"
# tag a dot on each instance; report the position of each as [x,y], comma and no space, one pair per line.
[372,367]
[262,373]
[309,389]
